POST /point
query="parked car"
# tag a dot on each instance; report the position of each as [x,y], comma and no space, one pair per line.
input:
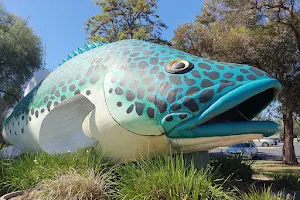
[298,138]
[247,150]
[266,142]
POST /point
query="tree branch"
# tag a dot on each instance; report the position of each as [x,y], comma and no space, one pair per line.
[13,95]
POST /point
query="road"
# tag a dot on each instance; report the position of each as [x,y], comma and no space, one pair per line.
[266,153]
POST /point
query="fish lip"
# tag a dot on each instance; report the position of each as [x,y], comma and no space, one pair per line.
[225,103]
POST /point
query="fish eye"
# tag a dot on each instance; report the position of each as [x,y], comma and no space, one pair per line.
[179,66]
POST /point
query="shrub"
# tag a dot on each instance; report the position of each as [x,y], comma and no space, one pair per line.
[76,185]
[288,181]
[167,178]
[29,169]
[264,194]
[234,168]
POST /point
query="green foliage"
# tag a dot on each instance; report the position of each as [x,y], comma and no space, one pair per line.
[264,194]
[126,19]
[20,55]
[234,168]
[28,169]
[288,181]
[168,178]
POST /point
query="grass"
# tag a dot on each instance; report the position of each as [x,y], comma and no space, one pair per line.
[29,169]
[76,184]
[84,173]
[165,178]
[267,169]
[264,194]
[2,146]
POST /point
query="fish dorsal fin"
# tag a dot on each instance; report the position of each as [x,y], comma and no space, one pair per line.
[87,47]
[38,76]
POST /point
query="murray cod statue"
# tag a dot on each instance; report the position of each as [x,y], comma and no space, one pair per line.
[133,98]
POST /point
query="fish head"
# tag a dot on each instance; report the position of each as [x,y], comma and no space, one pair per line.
[158,90]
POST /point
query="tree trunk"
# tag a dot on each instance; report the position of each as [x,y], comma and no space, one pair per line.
[288,151]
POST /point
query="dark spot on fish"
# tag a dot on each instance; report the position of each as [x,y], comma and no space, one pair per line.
[191,104]
[114,79]
[139,108]
[57,93]
[77,92]
[244,71]
[239,78]
[164,88]
[161,105]
[130,95]
[134,84]
[220,67]
[95,78]
[175,80]
[153,61]
[175,107]
[196,74]
[63,97]
[72,87]
[204,66]
[88,92]
[119,104]
[172,94]
[212,75]
[188,81]
[182,116]
[224,84]
[206,83]
[150,112]
[257,71]
[62,83]
[206,95]
[154,70]
[143,65]
[152,87]
[161,76]
[251,77]
[169,118]
[64,89]
[53,89]
[151,98]
[228,75]
[192,90]
[129,109]
[147,80]
[119,91]
[46,99]
[82,82]
[141,93]
[36,114]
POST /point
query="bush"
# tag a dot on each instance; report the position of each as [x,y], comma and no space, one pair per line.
[288,181]
[264,194]
[167,178]
[29,169]
[234,168]
[76,185]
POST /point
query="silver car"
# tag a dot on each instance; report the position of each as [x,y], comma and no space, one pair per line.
[247,150]
[266,142]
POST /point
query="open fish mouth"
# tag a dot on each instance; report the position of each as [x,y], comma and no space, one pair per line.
[232,113]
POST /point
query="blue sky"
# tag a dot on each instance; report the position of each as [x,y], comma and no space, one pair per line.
[61,22]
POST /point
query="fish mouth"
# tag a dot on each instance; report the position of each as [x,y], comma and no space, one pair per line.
[232,113]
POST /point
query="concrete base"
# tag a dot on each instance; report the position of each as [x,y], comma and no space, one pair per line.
[200,159]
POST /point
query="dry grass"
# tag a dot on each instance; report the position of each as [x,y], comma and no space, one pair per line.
[76,185]
[267,169]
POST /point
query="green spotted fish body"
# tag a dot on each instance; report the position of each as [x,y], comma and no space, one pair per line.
[134,97]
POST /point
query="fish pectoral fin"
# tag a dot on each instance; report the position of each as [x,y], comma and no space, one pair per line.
[62,131]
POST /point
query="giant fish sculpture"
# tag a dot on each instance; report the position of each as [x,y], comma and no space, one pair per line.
[133,98]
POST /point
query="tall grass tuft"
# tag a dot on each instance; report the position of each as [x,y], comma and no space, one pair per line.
[264,194]
[168,178]
[232,167]
[28,169]
[76,185]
